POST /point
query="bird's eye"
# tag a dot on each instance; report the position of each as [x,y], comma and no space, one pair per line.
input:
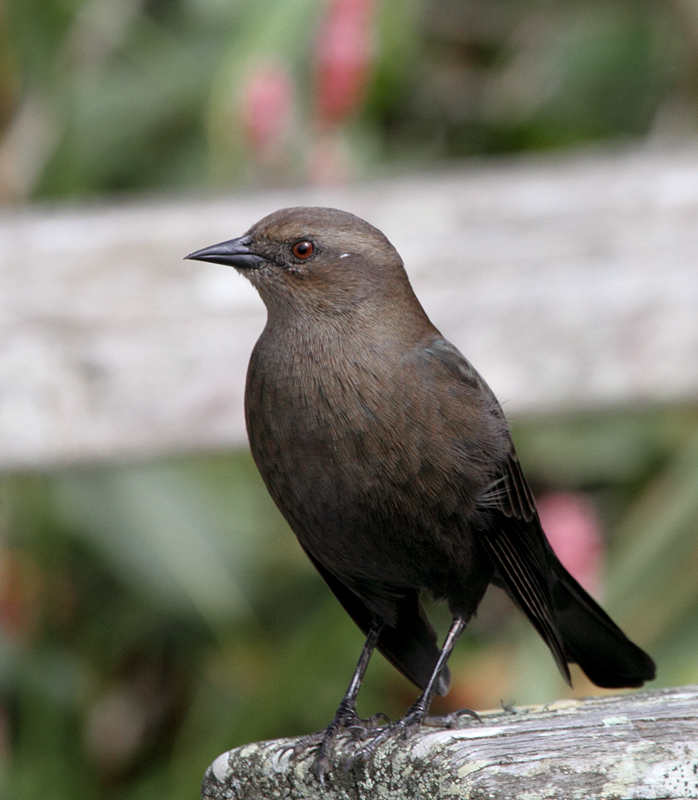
[303,249]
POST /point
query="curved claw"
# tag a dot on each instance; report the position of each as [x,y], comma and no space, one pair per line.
[363,728]
[328,736]
[452,720]
[306,742]
[403,727]
[346,719]
[374,720]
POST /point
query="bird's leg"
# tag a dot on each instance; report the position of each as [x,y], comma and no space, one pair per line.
[346,713]
[420,707]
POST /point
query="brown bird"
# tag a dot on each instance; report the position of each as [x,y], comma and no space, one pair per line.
[391,459]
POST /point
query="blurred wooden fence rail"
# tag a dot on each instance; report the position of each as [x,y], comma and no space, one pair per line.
[569,282]
[642,746]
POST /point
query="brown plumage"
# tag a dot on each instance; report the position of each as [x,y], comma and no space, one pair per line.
[392,461]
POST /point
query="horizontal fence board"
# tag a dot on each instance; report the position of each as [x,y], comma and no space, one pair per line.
[570,282]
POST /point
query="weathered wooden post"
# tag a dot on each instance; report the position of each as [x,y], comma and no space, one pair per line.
[641,746]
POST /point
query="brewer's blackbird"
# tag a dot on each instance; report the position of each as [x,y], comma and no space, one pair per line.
[391,459]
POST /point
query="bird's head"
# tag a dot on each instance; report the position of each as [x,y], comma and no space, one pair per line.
[316,260]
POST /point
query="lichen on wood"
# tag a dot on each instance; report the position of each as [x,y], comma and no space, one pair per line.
[641,746]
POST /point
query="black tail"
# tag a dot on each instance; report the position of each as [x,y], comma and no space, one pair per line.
[572,624]
[592,640]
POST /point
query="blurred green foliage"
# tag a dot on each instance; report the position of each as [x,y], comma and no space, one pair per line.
[155,615]
[122,95]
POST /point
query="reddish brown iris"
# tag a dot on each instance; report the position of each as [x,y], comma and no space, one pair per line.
[303,249]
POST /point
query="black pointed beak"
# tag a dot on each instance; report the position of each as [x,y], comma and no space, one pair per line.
[233,253]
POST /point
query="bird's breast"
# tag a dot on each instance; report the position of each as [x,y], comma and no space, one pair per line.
[353,448]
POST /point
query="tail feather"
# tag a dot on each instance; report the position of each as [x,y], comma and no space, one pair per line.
[593,641]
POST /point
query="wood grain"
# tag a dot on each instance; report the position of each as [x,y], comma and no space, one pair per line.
[640,746]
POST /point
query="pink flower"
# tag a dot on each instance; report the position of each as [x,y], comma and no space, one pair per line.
[572,526]
[344,55]
[267,104]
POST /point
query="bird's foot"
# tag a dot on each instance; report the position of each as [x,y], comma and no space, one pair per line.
[363,728]
[402,728]
[409,725]
[347,719]
[452,720]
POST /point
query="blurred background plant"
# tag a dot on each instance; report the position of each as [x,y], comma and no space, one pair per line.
[98,96]
[154,615]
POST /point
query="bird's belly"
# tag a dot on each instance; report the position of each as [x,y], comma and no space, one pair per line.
[366,503]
